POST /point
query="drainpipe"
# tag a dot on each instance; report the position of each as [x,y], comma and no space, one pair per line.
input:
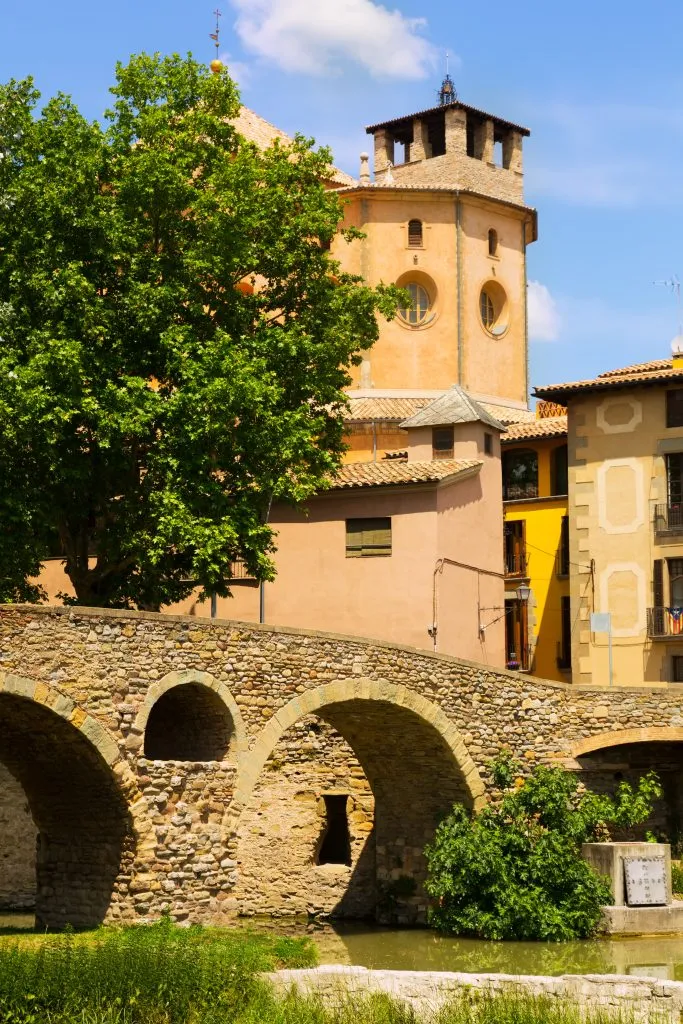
[262,602]
[458,274]
[525,286]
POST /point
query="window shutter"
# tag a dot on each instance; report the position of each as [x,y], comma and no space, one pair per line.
[415,233]
[658,583]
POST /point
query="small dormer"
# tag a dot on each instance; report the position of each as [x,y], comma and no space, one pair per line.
[453,146]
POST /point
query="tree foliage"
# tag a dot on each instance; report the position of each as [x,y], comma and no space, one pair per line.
[514,870]
[152,403]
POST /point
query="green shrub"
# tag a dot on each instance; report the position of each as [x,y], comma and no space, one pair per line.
[514,870]
[677,878]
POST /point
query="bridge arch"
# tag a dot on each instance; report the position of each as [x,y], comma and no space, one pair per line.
[83,798]
[416,765]
[606,759]
[191,716]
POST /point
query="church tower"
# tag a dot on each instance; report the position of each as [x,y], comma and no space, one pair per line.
[444,217]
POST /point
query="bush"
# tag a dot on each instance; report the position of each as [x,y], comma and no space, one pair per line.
[677,878]
[514,870]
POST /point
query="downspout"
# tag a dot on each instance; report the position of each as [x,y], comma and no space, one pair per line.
[525,294]
[458,274]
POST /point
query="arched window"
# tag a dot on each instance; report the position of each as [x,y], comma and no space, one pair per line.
[419,306]
[520,474]
[188,723]
[415,233]
[559,476]
[493,242]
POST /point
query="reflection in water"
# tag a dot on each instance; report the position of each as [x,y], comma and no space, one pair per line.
[423,950]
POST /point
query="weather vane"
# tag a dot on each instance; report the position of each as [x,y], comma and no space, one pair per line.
[673,285]
[216,63]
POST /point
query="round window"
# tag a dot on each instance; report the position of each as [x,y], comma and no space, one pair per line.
[493,308]
[419,306]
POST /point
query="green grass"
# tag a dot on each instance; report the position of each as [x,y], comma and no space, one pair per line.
[677,877]
[161,974]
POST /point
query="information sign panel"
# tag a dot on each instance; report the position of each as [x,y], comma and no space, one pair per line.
[645,881]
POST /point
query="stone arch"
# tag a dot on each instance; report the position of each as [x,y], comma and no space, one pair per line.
[619,737]
[412,756]
[606,759]
[83,797]
[185,697]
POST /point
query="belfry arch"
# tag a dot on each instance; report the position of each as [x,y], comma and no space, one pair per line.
[403,743]
[66,763]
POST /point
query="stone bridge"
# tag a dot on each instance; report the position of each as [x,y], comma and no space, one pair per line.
[214,768]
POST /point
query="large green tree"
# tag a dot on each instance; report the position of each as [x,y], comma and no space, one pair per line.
[152,407]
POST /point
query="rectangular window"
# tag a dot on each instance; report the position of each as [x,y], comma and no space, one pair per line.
[515,548]
[442,443]
[516,634]
[677,668]
[658,583]
[675,566]
[488,444]
[368,537]
[563,550]
[674,408]
[564,659]
[674,481]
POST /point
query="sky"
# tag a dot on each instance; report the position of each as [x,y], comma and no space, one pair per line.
[599,83]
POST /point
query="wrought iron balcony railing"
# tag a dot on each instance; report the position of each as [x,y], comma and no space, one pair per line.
[665,622]
[668,519]
[516,562]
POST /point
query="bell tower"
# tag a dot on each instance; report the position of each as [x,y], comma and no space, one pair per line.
[444,218]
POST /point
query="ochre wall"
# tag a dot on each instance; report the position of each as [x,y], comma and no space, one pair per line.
[543,519]
[453,264]
[616,478]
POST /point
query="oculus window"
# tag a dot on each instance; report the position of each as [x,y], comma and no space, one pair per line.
[419,307]
[493,308]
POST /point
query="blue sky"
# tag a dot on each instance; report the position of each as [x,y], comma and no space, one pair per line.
[600,85]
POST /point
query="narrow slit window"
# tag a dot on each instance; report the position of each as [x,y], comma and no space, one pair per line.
[493,242]
[335,847]
[415,234]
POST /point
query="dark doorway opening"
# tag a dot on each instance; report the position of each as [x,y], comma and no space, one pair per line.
[336,844]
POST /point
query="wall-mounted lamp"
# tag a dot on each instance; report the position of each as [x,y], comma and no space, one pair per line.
[523,593]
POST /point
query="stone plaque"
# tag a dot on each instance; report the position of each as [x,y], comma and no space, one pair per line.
[645,881]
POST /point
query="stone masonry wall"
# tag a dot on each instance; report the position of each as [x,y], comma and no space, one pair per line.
[422,728]
[634,999]
[17,847]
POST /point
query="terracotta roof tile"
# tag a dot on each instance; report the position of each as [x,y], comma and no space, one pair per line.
[655,372]
[390,472]
[453,406]
[256,129]
[435,110]
[550,426]
[361,410]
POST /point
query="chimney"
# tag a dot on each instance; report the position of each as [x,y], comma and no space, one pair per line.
[364,176]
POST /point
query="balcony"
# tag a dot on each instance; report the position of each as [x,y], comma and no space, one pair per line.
[516,562]
[668,520]
[665,623]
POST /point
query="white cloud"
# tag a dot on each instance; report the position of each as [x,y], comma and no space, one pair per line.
[240,72]
[313,36]
[544,316]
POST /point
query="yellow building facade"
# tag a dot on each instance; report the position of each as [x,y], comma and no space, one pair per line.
[535,544]
[625,441]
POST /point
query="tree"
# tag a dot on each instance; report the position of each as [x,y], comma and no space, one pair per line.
[514,870]
[175,336]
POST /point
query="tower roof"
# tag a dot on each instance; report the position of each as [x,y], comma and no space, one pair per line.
[398,123]
[455,406]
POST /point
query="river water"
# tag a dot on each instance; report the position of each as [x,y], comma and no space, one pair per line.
[423,950]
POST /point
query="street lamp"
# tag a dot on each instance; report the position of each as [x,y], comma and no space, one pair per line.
[523,592]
